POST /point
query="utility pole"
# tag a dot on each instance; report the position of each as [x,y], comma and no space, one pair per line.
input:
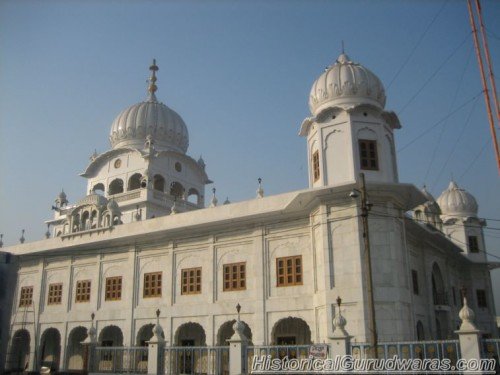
[365,208]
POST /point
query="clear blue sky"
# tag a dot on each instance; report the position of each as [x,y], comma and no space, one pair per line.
[239,73]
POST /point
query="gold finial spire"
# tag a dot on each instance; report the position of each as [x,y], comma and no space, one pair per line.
[152,80]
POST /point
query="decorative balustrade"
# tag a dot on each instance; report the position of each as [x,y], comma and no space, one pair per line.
[196,360]
[119,360]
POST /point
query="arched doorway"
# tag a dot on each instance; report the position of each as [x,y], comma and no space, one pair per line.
[19,351]
[144,334]
[291,331]
[111,336]
[190,334]
[226,331]
[76,350]
[50,349]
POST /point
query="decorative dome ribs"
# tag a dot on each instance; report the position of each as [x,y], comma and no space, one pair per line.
[135,123]
[346,84]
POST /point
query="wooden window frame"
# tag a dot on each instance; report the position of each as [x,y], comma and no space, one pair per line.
[368,155]
[191,281]
[234,276]
[289,271]
[26,296]
[473,244]
[414,281]
[152,285]
[82,291]
[54,296]
[315,165]
[482,300]
[113,291]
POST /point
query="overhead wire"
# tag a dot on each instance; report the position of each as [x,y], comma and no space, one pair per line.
[434,74]
[452,105]
[433,126]
[457,141]
[473,161]
[417,44]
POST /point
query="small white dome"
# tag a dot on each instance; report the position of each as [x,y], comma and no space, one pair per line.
[346,84]
[457,202]
[133,125]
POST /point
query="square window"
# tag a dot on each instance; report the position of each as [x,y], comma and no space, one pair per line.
[82,291]
[55,294]
[414,277]
[315,165]
[234,276]
[481,298]
[152,285]
[368,154]
[473,244]
[113,288]
[191,281]
[289,270]
[26,298]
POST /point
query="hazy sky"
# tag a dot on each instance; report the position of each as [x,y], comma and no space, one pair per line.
[239,73]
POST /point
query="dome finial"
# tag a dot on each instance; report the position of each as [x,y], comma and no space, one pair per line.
[343,47]
[152,81]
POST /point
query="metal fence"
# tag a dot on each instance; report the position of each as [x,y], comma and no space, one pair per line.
[119,360]
[449,349]
[212,360]
[275,351]
[491,348]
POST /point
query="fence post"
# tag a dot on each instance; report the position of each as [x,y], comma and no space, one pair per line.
[468,335]
[340,342]
[155,348]
[237,347]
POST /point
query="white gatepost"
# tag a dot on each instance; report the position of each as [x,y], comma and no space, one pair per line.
[340,341]
[469,337]
[155,348]
[237,347]
[89,344]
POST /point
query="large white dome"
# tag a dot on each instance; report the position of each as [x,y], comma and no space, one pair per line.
[346,84]
[150,118]
[457,202]
[135,123]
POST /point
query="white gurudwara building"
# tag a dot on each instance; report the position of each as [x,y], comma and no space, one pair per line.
[147,237]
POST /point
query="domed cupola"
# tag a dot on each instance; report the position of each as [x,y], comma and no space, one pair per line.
[150,118]
[346,84]
[455,201]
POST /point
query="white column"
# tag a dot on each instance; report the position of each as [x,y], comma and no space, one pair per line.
[469,337]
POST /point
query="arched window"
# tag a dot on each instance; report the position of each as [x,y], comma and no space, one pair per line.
[85,221]
[193,196]
[115,187]
[134,182]
[418,215]
[176,189]
[98,188]
[158,182]
[420,331]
